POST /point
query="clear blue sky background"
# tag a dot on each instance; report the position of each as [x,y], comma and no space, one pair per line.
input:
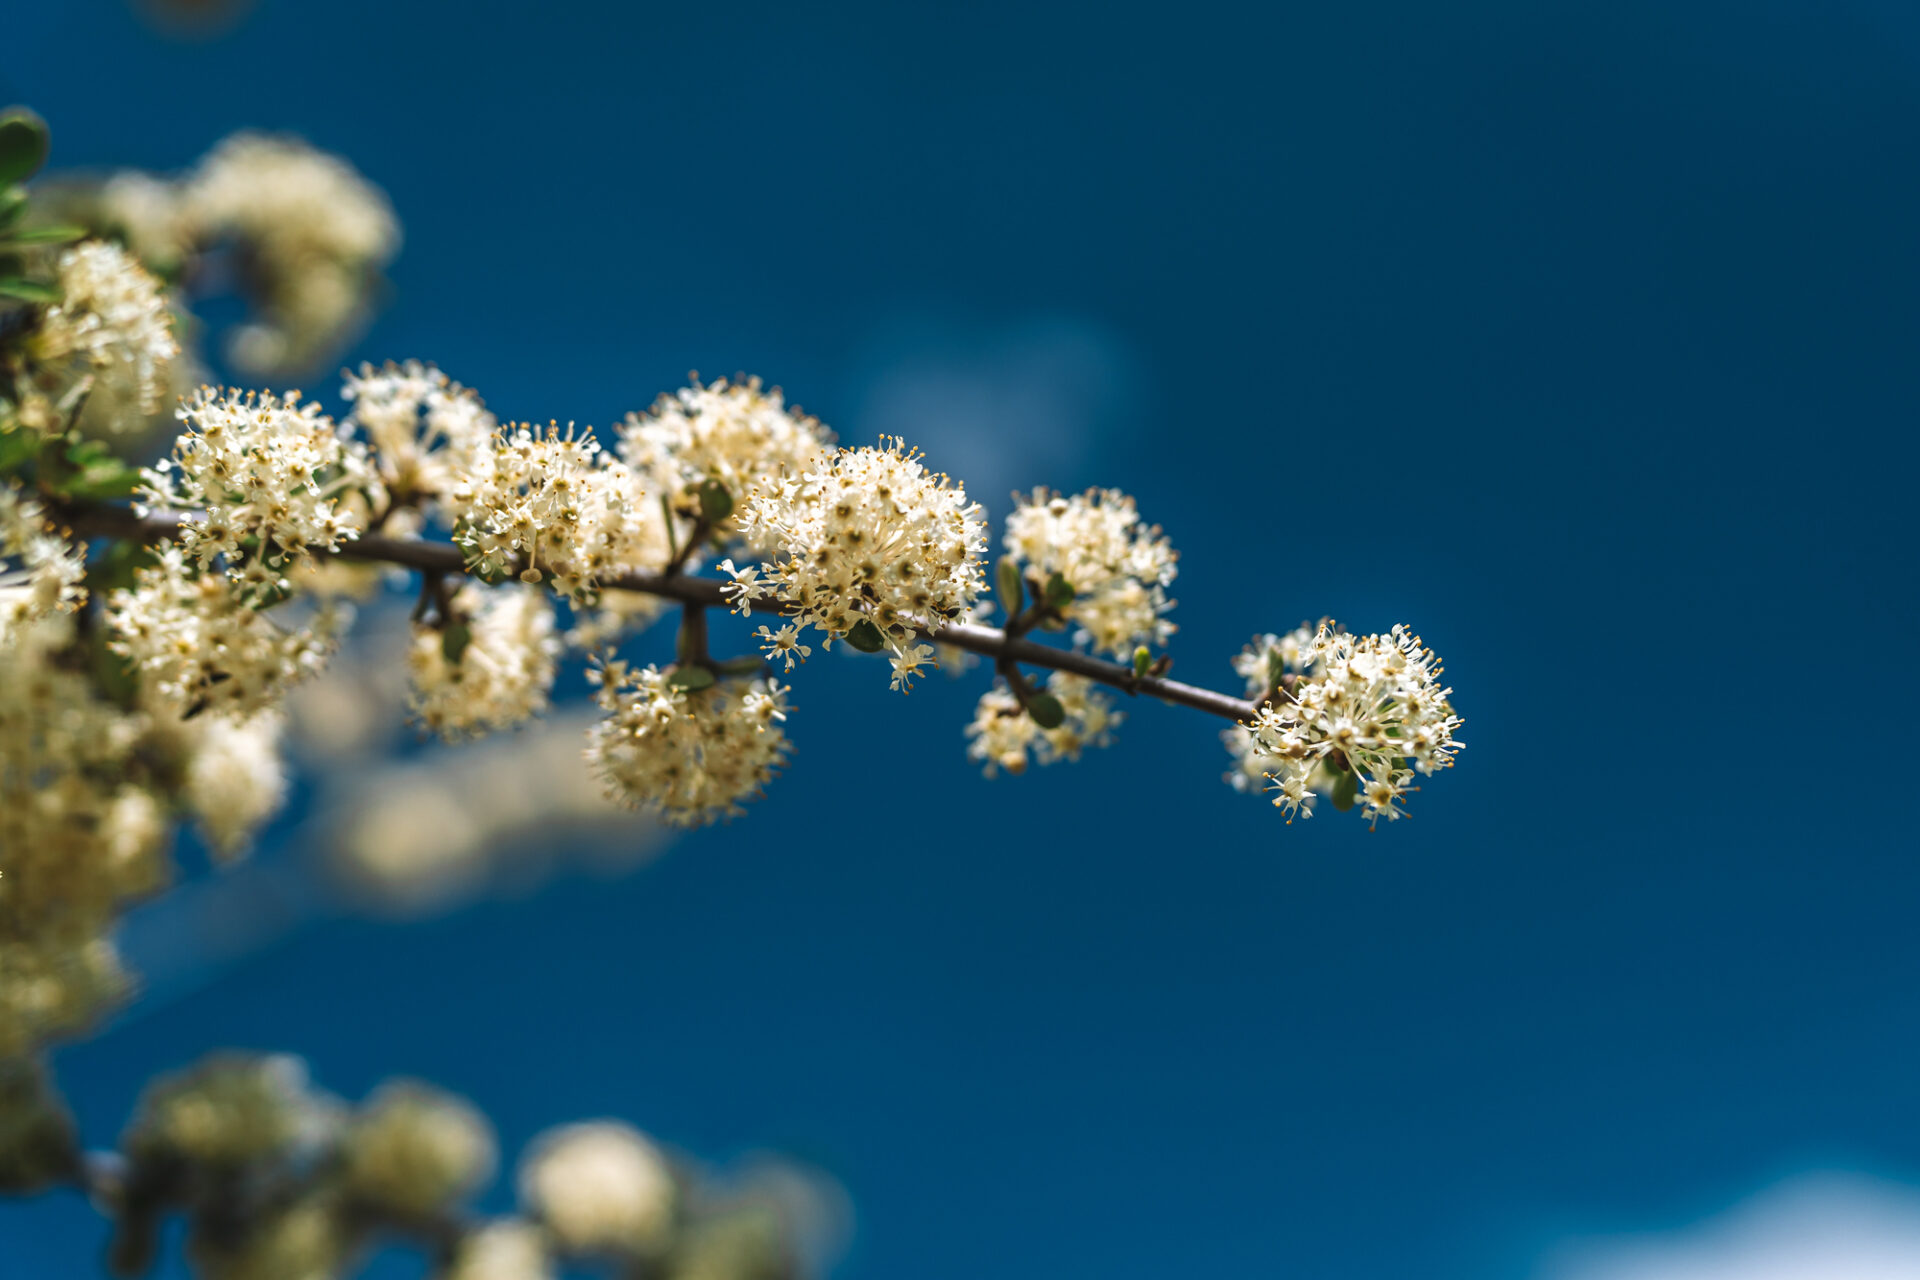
[1581,337]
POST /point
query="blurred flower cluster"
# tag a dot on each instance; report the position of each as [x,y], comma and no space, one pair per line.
[278,1180]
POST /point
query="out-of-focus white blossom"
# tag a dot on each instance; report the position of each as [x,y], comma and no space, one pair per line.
[504,672]
[737,435]
[315,235]
[601,1188]
[199,645]
[1359,714]
[231,1110]
[235,780]
[111,317]
[412,1149]
[1003,735]
[870,535]
[310,1239]
[504,1250]
[257,467]
[81,834]
[691,755]
[50,569]
[1119,568]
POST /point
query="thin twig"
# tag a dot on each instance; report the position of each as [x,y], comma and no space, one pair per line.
[107,520]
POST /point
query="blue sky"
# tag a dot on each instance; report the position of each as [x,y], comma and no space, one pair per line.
[1580,337]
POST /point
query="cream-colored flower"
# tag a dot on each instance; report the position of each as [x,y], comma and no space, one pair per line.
[601,1189]
[1117,566]
[113,318]
[691,755]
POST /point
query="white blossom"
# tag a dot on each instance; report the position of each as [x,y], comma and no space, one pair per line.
[113,318]
[1118,567]
[199,644]
[737,435]
[550,506]
[315,233]
[691,755]
[426,432]
[870,535]
[50,569]
[505,669]
[601,1188]
[235,779]
[258,467]
[1004,736]
[502,1250]
[1348,715]
[413,1149]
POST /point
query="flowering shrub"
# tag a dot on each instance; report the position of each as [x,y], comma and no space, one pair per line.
[153,621]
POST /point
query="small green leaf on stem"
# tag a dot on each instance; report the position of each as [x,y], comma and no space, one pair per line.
[1007,579]
[866,637]
[24,142]
[1142,659]
[454,641]
[1046,710]
[692,679]
[1059,592]
[13,203]
[27,290]
[716,504]
[1345,790]
[48,235]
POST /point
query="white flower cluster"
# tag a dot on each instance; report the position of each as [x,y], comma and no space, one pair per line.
[736,435]
[261,470]
[200,644]
[50,572]
[869,536]
[490,668]
[1118,568]
[690,754]
[1003,735]
[1354,717]
[551,506]
[278,1180]
[315,234]
[89,781]
[113,319]
[425,432]
[414,1150]
[601,1189]
[79,835]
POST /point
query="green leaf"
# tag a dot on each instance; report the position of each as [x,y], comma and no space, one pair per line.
[1142,659]
[1046,710]
[747,666]
[866,637]
[716,504]
[1345,790]
[48,235]
[1007,578]
[692,679]
[1276,668]
[17,448]
[454,641]
[104,481]
[1059,592]
[114,567]
[24,142]
[27,290]
[13,203]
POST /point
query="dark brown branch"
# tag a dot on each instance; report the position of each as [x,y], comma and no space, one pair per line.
[105,520]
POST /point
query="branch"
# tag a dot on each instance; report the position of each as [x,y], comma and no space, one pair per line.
[106,520]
